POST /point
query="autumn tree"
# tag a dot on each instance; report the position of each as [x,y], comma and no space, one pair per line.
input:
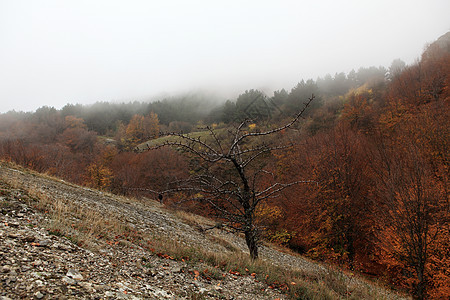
[98,173]
[142,173]
[151,124]
[98,176]
[412,204]
[231,176]
[136,130]
[79,139]
[333,216]
[413,182]
[74,122]
[140,129]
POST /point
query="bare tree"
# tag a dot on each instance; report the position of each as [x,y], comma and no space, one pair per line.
[232,178]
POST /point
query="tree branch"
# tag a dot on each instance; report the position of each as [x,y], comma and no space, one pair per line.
[288,125]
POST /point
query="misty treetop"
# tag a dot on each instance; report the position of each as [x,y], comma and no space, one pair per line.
[187,110]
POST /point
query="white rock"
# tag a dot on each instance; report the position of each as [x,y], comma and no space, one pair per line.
[109,294]
[6,269]
[68,280]
[87,286]
[39,283]
[161,293]
[74,274]
[37,262]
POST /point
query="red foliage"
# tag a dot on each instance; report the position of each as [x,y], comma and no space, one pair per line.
[146,172]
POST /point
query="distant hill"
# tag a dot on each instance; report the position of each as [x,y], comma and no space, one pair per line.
[442,43]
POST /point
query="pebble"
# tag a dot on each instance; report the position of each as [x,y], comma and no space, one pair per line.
[68,280]
[37,263]
[39,283]
[6,269]
[44,243]
[28,238]
[11,280]
[109,294]
[87,286]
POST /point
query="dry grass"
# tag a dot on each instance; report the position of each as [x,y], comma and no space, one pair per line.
[82,225]
[193,220]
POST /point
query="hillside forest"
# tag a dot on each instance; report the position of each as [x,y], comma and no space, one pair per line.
[372,150]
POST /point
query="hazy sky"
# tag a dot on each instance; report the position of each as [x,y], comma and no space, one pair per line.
[54,52]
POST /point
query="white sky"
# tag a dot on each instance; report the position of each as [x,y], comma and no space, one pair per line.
[54,52]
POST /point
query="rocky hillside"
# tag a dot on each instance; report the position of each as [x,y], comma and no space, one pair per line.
[58,240]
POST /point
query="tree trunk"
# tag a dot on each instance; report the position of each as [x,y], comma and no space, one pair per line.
[252,243]
[350,245]
[420,288]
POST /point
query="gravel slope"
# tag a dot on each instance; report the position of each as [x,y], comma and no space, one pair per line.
[36,264]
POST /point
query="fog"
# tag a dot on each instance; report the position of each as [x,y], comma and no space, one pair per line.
[55,52]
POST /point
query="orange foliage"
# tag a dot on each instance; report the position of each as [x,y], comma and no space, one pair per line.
[141,129]
[74,122]
[98,176]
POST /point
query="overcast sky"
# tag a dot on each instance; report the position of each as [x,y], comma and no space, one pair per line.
[54,52]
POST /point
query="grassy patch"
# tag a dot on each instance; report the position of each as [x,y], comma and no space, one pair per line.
[191,219]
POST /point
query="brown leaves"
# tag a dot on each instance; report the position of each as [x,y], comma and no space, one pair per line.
[166,256]
[196,273]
